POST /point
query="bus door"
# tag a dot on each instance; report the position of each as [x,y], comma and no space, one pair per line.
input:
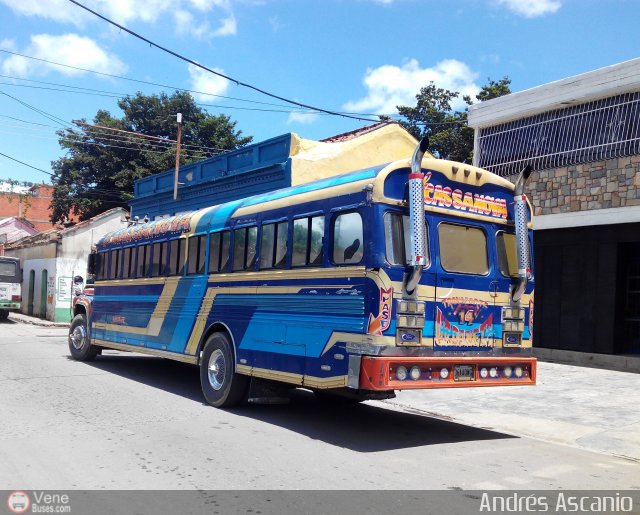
[465,317]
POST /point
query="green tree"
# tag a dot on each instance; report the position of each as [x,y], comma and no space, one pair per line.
[100,165]
[449,135]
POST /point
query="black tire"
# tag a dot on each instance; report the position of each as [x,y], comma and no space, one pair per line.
[221,385]
[79,342]
[4,314]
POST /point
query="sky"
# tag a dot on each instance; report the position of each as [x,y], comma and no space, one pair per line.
[360,56]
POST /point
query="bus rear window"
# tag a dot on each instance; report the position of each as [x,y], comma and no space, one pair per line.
[507,255]
[463,249]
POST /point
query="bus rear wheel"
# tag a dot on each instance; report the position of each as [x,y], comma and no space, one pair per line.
[79,343]
[221,385]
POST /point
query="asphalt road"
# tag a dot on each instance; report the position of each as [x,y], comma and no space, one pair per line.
[128,421]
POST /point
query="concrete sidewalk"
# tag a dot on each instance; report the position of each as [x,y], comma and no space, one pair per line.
[26,319]
[582,407]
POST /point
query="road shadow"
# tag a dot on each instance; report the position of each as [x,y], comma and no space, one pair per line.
[359,427]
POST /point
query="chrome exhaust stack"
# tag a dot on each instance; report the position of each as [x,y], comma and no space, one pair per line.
[416,219]
[522,235]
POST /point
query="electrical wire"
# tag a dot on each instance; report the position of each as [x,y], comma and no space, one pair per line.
[26,164]
[49,116]
[190,155]
[96,92]
[202,67]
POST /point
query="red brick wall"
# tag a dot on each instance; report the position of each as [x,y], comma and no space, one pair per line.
[35,209]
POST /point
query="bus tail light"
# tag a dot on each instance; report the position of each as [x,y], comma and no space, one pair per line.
[388,372]
[16,298]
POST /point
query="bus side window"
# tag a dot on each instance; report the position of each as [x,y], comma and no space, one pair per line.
[463,249]
[195,257]
[244,248]
[113,270]
[176,257]
[126,262]
[316,239]
[273,245]
[224,251]
[157,257]
[214,253]
[143,257]
[308,234]
[239,248]
[102,266]
[300,241]
[267,245]
[202,251]
[219,252]
[347,239]
[252,243]
[280,259]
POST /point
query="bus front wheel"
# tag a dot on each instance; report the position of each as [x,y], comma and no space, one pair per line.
[79,344]
[221,385]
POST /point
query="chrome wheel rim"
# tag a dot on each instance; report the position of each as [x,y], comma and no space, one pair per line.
[78,337]
[216,369]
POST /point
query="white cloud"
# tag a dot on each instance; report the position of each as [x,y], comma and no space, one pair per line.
[127,11]
[228,27]
[531,8]
[69,49]
[8,44]
[275,23]
[389,86]
[57,10]
[297,117]
[206,82]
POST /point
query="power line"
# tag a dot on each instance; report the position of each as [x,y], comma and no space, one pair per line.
[231,79]
[159,139]
[26,164]
[139,81]
[106,94]
[49,116]
[191,153]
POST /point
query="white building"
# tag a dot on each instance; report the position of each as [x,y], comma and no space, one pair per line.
[52,258]
[581,136]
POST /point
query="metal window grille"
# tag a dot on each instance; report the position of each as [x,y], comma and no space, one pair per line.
[593,131]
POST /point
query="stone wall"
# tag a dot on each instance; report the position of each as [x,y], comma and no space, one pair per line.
[598,185]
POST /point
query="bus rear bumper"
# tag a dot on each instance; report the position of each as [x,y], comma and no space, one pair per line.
[413,373]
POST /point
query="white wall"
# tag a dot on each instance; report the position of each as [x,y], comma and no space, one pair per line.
[38,266]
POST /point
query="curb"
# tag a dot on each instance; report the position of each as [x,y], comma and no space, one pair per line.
[587,359]
[24,319]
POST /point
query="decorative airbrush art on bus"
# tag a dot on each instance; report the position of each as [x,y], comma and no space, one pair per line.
[437,195]
[380,323]
[165,227]
[464,322]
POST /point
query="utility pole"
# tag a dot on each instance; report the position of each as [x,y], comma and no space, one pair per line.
[175,179]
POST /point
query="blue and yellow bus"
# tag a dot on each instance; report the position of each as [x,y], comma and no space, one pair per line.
[408,275]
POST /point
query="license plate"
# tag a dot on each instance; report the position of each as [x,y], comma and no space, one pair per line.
[464,373]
